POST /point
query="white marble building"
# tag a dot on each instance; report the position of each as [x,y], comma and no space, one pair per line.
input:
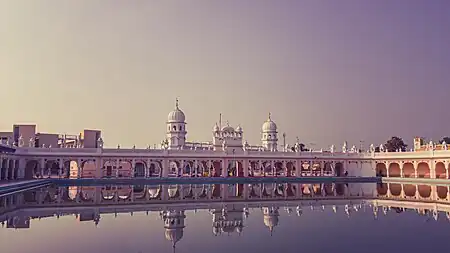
[227,154]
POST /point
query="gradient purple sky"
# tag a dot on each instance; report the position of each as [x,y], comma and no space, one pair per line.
[328,71]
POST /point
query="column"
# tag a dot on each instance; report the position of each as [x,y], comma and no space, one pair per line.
[180,171]
[165,167]
[261,170]
[60,167]
[133,167]
[272,164]
[79,168]
[246,169]
[285,168]
[7,169]
[298,172]
[147,168]
[224,166]
[322,166]
[13,171]
[117,167]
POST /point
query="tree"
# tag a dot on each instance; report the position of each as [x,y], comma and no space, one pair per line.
[394,144]
[446,139]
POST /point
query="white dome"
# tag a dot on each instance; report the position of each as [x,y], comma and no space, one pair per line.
[176,116]
[227,128]
[239,129]
[269,125]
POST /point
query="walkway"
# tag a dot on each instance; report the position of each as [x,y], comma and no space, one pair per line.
[18,186]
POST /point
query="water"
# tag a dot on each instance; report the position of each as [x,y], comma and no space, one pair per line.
[235,218]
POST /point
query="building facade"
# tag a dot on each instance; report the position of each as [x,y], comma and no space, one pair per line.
[227,154]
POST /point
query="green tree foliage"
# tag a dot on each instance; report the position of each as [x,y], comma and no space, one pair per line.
[394,144]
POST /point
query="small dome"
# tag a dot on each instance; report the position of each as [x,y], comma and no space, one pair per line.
[239,129]
[176,116]
[216,128]
[269,125]
[227,128]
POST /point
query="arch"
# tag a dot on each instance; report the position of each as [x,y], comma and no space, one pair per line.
[381,170]
[410,190]
[328,168]
[89,169]
[394,170]
[217,169]
[154,169]
[339,169]
[290,169]
[340,189]
[396,189]
[441,192]
[424,191]
[441,171]
[423,170]
[382,189]
[139,169]
[328,188]
[278,169]
[31,169]
[408,170]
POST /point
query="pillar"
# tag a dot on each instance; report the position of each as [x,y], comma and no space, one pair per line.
[133,168]
[224,167]
[165,167]
[246,169]
[6,169]
[117,167]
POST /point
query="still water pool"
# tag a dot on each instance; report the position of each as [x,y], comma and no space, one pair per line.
[227,218]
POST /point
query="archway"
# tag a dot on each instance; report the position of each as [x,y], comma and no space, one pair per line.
[340,189]
[394,170]
[424,191]
[217,169]
[290,169]
[396,189]
[139,170]
[339,169]
[328,170]
[410,190]
[408,170]
[381,170]
[89,169]
[423,170]
[382,189]
[31,169]
[279,169]
[442,192]
[441,171]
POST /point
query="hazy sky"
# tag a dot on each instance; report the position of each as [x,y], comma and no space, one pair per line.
[328,71]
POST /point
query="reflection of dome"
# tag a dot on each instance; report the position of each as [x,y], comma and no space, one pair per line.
[172,191]
[270,217]
[269,125]
[176,116]
[153,191]
[174,234]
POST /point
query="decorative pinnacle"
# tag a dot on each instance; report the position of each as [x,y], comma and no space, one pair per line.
[269,116]
[176,103]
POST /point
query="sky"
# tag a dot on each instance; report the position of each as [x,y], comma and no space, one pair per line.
[328,71]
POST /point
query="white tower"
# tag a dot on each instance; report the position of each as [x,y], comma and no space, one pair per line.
[174,225]
[176,128]
[269,136]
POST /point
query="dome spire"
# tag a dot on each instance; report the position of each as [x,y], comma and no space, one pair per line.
[270,117]
[176,103]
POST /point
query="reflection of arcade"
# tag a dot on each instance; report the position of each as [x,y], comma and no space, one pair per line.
[423,198]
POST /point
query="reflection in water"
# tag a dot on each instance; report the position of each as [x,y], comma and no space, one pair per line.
[229,206]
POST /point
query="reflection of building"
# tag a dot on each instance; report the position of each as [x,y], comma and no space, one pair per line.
[228,220]
[271,215]
[174,225]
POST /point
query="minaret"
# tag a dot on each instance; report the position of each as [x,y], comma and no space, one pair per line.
[176,128]
[269,138]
